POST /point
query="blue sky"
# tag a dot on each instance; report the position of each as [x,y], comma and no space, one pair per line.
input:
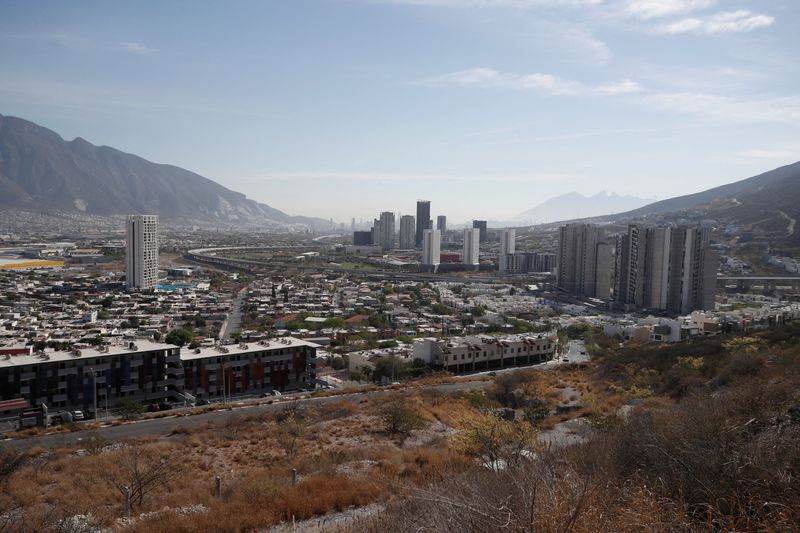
[345,108]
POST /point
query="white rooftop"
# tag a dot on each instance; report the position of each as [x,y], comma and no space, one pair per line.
[86,353]
[236,349]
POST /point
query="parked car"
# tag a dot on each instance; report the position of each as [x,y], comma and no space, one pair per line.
[202,401]
[276,393]
[164,406]
[78,415]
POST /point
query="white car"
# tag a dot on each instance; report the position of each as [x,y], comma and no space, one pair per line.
[78,415]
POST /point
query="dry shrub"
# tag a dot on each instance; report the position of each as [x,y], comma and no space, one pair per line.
[419,464]
[400,416]
[729,457]
[337,409]
[533,496]
[726,460]
[257,502]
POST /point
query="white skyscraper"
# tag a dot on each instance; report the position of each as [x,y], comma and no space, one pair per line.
[141,251]
[407,231]
[508,239]
[431,247]
[472,246]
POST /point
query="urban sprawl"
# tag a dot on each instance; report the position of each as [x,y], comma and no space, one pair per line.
[149,317]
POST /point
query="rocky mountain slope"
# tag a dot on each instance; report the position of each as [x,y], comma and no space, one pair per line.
[41,172]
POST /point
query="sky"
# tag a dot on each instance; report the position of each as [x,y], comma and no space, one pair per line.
[346,108]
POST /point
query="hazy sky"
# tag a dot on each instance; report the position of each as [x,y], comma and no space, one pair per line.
[341,108]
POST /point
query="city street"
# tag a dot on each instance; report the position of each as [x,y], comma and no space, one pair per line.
[234,320]
[167,425]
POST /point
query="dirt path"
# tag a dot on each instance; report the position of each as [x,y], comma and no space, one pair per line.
[792,222]
[329,522]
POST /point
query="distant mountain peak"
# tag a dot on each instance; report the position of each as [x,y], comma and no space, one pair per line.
[572,205]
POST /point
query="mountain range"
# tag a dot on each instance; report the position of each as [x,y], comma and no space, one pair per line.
[41,172]
[575,205]
[766,205]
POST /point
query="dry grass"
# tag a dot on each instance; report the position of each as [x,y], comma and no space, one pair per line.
[620,480]
[254,462]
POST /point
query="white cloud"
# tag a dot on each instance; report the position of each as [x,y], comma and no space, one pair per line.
[783,110]
[774,110]
[725,22]
[647,9]
[784,153]
[625,86]
[135,48]
[489,77]
[80,43]
[596,50]
[538,82]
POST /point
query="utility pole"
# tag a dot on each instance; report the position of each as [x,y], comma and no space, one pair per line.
[94,395]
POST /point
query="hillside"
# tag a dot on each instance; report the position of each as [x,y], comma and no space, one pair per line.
[773,180]
[760,207]
[640,438]
[41,172]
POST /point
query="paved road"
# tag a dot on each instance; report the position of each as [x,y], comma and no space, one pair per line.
[234,321]
[165,426]
[577,351]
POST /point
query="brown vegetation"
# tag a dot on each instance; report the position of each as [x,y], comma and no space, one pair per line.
[697,435]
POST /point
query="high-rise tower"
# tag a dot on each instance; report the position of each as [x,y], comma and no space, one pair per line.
[423,219]
[431,247]
[472,245]
[141,252]
[481,225]
[407,229]
[386,232]
[507,247]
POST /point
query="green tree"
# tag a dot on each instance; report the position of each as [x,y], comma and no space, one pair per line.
[179,337]
[441,309]
[389,367]
[377,320]
[96,341]
[128,409]
[334,322]
[357,375]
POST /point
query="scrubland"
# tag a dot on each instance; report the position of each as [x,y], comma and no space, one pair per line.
[699,435]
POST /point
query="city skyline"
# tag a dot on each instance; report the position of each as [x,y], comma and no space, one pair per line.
[361,100]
